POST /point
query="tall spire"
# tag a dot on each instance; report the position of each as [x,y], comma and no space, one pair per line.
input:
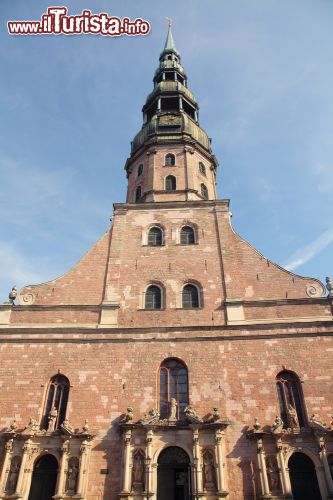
[169,43]
[171,156]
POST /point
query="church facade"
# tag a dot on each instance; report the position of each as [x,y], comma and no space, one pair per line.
[174,361]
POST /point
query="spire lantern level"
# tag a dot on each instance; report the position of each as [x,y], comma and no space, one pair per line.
[171,156]
[170,47]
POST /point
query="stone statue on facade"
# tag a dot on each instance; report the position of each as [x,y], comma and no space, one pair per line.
[67,427]
[173,410]
[329,286]
[256,425]
[52,419]
[214,417]
[272,474]
[152,417]
[191,415]
[138,473]
[209,475]
[128,417]
[293,419]
[12,295]
[13,426]
[316,424]
[277,426]
[13,475]
[72,475]
[85,427]
[32,427]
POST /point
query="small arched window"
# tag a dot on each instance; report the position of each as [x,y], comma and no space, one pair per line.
[56,402]
[290,396]
[170,160]
[202,168]
[155,237]
[204,191]
[153,297]
[173,385]
[140,169]
[190,297]
[187,236]
[138,193]
[170,183]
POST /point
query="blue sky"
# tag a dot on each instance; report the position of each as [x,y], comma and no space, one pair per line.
[262,72]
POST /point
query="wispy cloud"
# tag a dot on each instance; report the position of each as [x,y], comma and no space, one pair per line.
[309,251]
[15,268]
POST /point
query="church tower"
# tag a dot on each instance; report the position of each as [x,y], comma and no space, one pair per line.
[171,157]
[174,361]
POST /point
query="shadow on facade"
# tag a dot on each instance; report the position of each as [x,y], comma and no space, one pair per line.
[247,464]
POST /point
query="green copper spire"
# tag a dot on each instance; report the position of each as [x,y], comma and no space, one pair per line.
[169,43]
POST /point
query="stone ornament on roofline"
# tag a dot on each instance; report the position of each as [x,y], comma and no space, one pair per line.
[33,429]
[329,286]
[277,428]
[190,417]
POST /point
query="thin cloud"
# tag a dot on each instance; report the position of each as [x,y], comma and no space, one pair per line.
[307,253]
[15,268]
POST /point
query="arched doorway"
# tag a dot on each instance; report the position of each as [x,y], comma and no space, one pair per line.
[44,478]
[173,475]
[303,478]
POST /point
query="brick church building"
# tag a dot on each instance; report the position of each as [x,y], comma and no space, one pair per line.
[174,361]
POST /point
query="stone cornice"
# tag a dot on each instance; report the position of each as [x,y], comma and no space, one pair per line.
[158,205]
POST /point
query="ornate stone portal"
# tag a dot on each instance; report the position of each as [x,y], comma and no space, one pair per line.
[201,439]
[276,445]
[71,449]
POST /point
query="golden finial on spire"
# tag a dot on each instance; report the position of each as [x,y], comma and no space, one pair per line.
[169,21]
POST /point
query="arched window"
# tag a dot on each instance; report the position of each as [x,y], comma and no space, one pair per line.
[170,160]
[153,297]
[170,183]
[138,193]
[204,191]
[173,385]
[202,168]
[155,237]
[56,402]
[291,400]
[190,297]
[140,170]
[187,236]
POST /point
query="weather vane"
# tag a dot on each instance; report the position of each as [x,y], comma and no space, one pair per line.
[169,21]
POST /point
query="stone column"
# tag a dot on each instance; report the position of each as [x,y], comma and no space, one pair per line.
[62,470]
[262,468]
[127,460]
[197,461]
[6,464]
[26,448]
[82,469]
[282,468]
[219,435]
[149,452]
[324,461]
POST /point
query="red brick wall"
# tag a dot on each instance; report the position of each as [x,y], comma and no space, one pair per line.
[236,375]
